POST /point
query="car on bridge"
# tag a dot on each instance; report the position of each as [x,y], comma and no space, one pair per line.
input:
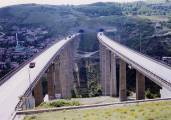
[32,65]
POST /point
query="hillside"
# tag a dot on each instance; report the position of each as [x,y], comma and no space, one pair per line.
[70,18]
[133,21]
[58,19]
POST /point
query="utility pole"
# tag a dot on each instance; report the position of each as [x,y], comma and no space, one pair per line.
[29,99]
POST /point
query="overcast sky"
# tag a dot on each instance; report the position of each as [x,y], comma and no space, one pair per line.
[56,2]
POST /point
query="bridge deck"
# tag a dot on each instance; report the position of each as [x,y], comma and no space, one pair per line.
[18,84]
[148,64]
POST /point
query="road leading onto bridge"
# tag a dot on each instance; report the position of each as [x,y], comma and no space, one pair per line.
[18,84]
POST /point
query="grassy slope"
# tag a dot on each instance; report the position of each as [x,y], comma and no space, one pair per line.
[145,111]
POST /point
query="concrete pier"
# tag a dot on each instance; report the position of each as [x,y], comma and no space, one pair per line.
[57,78]
[38,93]
[113,88]
[66,72]
[102,68]
[122,81]
[51,81]
[140,86]
[107,73]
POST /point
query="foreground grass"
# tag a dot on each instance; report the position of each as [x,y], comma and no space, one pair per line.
[145,111]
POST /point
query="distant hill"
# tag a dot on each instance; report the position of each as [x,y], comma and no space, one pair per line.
[61,20]
[58,18]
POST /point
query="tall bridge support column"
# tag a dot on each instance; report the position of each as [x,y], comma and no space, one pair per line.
[66,71]
[105,70]
[122,81]
[102,68]
[57,78]
[107,73]
[71,63]
[113,75]
[140,86]
[51,82]
[38,93]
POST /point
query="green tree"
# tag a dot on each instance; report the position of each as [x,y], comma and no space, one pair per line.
[94,89]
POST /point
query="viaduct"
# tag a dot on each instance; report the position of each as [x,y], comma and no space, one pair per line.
[22,89]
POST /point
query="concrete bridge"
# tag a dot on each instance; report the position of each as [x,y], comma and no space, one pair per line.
[21,90]
[144,66]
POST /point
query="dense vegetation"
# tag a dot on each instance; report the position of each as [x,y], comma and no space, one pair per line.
[100,9]
[59,103]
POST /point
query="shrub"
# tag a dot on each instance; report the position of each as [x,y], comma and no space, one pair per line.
[60,103]
[150,95]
